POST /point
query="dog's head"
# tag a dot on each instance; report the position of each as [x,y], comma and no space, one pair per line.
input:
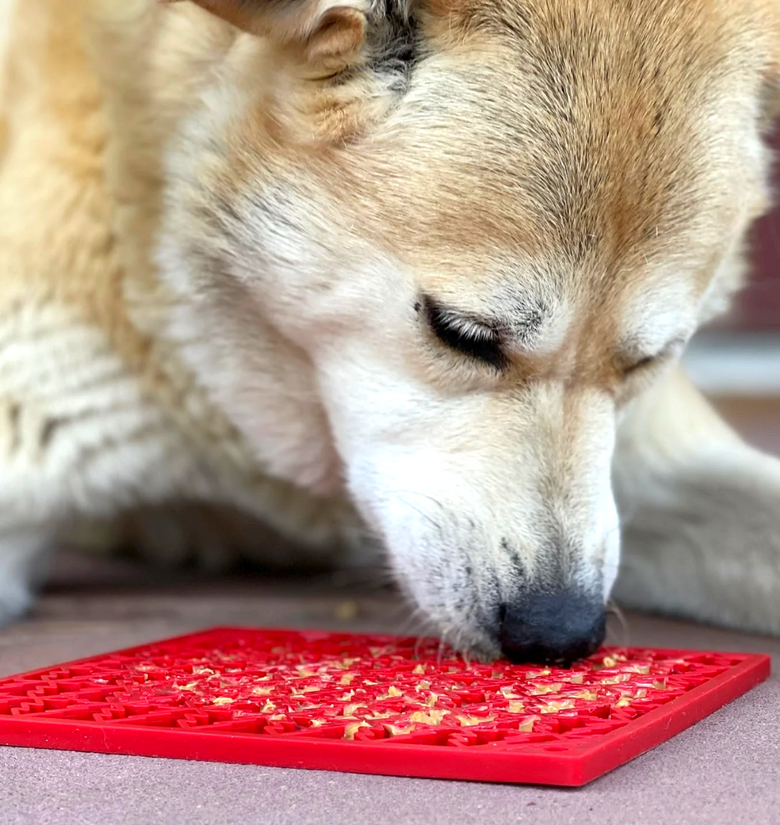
[487,225]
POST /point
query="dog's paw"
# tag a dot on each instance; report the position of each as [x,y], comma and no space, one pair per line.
[210,537]
[170,536]
[15,600]
[22,567]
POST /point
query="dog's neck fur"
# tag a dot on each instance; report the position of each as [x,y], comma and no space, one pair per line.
[184,51]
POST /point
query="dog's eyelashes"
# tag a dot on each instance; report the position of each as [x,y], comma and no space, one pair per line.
[643,363]
[646,363]
[465,335]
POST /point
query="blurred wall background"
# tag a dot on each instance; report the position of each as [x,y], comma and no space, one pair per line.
[738,362]
[759,307]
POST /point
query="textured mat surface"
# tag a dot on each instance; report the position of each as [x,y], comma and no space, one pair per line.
[373,704]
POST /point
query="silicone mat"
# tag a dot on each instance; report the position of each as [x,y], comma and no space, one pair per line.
[371,704]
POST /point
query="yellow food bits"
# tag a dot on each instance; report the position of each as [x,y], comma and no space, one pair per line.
[431,717]
[351,729]
[470,721]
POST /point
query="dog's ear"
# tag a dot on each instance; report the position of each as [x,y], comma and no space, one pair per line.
[329,33]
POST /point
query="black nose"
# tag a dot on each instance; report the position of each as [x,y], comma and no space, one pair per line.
[552,627]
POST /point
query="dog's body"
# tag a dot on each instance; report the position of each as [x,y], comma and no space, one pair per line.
[100,414]
[230,251]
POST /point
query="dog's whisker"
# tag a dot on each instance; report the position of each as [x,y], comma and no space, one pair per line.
[614,609]
[420,495]
[420,512]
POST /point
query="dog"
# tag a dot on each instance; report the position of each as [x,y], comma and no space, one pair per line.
[414,274]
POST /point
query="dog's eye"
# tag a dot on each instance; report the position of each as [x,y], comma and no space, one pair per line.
[465,335]
[641,364]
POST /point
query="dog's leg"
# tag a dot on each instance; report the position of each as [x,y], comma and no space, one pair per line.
[701,514]
[78,438]
[82,441]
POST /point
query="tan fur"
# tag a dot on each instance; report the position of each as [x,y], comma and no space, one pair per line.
[236,218]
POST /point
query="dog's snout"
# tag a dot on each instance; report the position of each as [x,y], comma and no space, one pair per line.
[552,627]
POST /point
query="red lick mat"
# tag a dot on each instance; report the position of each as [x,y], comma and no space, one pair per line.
[371,704]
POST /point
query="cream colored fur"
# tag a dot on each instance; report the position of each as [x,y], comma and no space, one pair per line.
[97,414]
[134,381]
